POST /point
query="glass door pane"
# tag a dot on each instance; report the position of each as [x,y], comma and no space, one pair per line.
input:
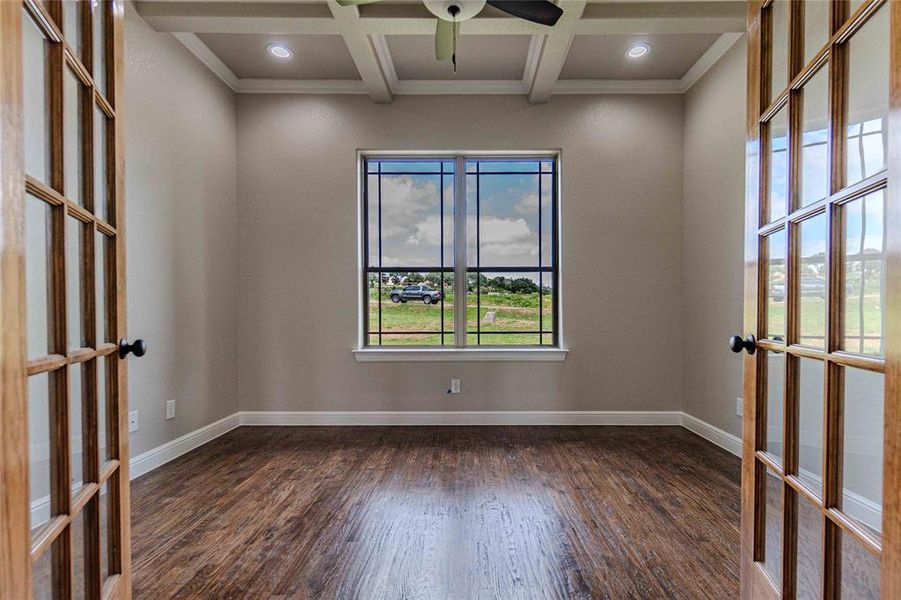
[36,96]
[863,448]
[37,275]
[778,184]
[868,98]
[809,570]
[815,174]
[73,137]
[864,273]
[816,27]
[772,542]
[775,403]
[779,49]
[811,409]
[812,283]
[776,292]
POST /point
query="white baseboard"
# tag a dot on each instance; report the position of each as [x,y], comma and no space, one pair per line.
[863,509]
[587,417]
[715,435]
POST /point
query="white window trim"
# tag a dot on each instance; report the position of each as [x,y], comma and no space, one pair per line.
[471,354]
[364,353]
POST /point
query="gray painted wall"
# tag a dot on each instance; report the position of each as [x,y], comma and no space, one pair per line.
[713,247]
[621,257]
[180,148]
[635,240]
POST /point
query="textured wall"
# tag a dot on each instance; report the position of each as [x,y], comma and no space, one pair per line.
[180,148]
[713,212]
[621,257]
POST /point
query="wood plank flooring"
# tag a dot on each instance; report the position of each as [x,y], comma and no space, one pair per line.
[441,512]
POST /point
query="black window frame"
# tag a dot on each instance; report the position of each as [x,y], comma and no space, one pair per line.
[548,166]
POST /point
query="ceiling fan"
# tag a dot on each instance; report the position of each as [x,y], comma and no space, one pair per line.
[451,13]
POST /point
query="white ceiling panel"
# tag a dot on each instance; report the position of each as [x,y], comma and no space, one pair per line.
[604,56]
[315,56]
[479,57]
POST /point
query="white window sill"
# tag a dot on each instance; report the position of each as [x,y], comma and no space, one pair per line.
[461,355]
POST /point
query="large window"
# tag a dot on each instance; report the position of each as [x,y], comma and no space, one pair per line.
[460,251]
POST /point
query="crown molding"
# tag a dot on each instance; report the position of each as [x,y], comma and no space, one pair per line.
[617,86]
[301,86]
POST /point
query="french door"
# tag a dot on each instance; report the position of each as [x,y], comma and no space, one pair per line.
[64,510]
[821,478]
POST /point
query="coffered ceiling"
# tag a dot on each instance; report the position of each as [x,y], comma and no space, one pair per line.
[387,48]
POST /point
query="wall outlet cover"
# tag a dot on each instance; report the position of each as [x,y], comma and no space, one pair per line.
[170,409]
[133,421]
[454,386]
[739,407]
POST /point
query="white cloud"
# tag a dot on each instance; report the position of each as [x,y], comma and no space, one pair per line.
[404,201]
[506,241]
[393,261]
[428,232]
[496,230]
[527,205]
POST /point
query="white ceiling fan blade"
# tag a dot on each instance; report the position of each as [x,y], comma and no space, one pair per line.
[444,39]
[354,2]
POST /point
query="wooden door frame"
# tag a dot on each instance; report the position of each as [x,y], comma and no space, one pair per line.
[16,544]
[752,585]
[121,587]
[749,361]
[891,536]
[15,538]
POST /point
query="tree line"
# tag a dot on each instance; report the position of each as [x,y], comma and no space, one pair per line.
[499,284]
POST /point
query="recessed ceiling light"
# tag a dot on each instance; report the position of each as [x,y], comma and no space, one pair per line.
[638,50]
[281,52]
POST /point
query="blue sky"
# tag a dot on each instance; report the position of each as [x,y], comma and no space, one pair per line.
[411,215]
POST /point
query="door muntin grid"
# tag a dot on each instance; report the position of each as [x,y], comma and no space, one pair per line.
[817,342]
[73,303]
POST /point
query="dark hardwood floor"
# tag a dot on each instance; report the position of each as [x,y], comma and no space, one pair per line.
[441,512]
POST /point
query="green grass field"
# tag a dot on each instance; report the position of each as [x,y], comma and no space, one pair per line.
[813,322]
[511,313]
[519,312]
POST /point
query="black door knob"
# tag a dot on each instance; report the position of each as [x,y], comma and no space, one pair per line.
[138,348]
[736,344]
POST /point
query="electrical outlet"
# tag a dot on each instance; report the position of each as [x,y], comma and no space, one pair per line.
[739,407]
[455,387]
[133,421]
[170,409]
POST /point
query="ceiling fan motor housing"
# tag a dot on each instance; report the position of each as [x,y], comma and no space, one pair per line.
[446,9]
